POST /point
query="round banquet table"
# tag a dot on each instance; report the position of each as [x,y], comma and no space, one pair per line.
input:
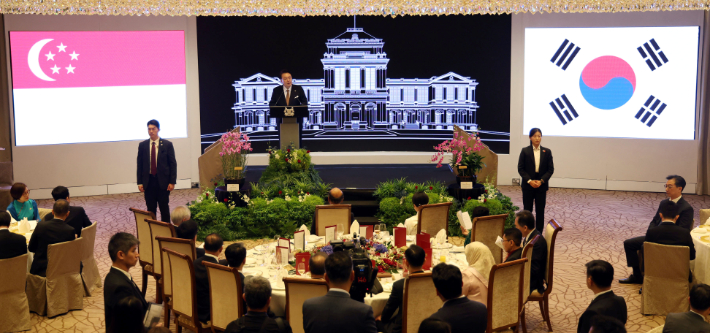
[14,229]
[701,265]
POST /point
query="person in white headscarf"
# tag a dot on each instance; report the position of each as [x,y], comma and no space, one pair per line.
[475,277]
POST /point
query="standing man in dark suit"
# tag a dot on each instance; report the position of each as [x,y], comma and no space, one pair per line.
[413,260]
[525,222]
[692,321]
[535,166]
[463,314]
[674,189]
[213,248]
[336,311]
[288,94]
[512,238]
[599,276]
[11,245]
[118,284]
[157,171]
[77,218]
[48,233]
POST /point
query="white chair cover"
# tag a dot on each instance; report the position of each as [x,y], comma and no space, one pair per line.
[14,309]
[62,290]
[90,274]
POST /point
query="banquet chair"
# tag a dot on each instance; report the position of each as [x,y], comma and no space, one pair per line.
[184,246]
[505,295]
[14,309]
[299,290]
[419,301]
[62,290]
[184,293]
[527,254]
[543,300]
[145,247]
[665,283]
[42,212]
[327,215]
[704,216]
[90,273]
[226,303]
[433,218]
[486,230]
[159,229]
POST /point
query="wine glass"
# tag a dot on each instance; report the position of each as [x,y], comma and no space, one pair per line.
[301,268]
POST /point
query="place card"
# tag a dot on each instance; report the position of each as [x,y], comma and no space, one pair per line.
[299,240]
[467,185]
[370,231]
[400,236]
[303,258]
[424,240]
[427,259]
[363,231]
[235,187]
[330,233]
[464,220]
[282,255]
[285,242]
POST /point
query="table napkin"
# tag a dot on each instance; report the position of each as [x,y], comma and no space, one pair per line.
[441,237]
[355,228]
[402,225]
[303,227]
[24,226]
[499,242]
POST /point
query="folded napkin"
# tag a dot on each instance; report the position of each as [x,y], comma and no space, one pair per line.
[387,287]
[313,238]
[24,226]
[355,227]
[400,225]
[441,237]
[304,228]
[499,242]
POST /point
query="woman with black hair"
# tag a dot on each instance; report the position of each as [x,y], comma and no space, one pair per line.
[535,167]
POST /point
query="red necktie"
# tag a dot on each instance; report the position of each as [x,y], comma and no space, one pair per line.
[153,161]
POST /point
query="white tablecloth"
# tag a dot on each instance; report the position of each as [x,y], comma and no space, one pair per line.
[701,265]
[14,228]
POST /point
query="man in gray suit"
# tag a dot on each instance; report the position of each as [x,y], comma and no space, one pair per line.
[336,311]
[692,321]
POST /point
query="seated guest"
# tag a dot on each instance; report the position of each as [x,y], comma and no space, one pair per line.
[236,255]
[525,222]
[599,276]
[692,321]
[130,311]
[188,230]
[674,189]
[477,212]
[257,294]
[22,207]
[605,324]
[463,314]
[413,260]
[335,197]
[179,215]
[475,276]
[77,216]
[213,248]
[48,233]
[669,232]
[11,244]
[317,265]
[431,325]
[118,284]
[512,237]
[419,199]
[344,315]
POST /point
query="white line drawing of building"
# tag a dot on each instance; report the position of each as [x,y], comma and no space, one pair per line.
[355,94]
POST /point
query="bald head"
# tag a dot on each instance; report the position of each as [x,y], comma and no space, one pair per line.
[317,265]
[335,196]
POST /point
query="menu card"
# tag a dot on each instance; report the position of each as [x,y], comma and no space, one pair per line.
[363,231]
[424,240]
[303,258]
[400,236]
[330,233]
[465,220]
[299,240]
[427,260]
[284,242]
[282,255]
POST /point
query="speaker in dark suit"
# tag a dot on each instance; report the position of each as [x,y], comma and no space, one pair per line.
[118,284]
[535,167]
[289,94]
[47,233]
[337,312]
[156,171]
[11,245]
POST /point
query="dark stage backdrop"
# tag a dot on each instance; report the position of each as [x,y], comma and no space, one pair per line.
[441,58]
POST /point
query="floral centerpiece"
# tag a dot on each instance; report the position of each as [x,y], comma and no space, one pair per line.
[384,256]
[289,159]
[235,150]
[464,153]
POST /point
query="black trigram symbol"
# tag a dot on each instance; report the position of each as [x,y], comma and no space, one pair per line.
[655,53]
[566,58]
[562,106]
[650,111]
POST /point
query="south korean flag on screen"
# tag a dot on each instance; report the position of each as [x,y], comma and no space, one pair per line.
[611,82]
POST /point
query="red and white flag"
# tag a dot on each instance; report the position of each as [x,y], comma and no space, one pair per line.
[95,86]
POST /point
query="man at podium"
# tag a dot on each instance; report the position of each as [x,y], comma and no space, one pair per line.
[286,96]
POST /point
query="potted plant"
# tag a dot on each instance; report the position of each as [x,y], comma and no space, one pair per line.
[465,159]
[235,150]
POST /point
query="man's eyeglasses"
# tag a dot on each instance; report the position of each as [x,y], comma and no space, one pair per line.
[669,186]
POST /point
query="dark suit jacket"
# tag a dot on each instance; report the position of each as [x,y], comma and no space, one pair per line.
[607,304]
[685,215]
[252,322]
[337,312]
[515,255]
[167,165]
[202,287]
[538,263]
[11,245]
[298,96]
[685,322]
[464,315]
[116,287]
[45,234]
[526,166]
[394,303]
[77,219]
[668,233]
[199,252]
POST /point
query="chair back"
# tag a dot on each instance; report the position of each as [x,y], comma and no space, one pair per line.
[159,229]
[433,218]
[226,292]
[184,292]
[62,259]
[145,248]
[298,291]
[42,212]
[505,297]
[665,282]
[486,230]
[89,236]
[183,246]
[90,273]
[704,216]
[327,215]
[551,230]
[14,308]
[419,301]
[527,253]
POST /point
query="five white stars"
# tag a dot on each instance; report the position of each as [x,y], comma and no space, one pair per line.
[74,56]
[62,47]
[55,69]
[50,56]
[70,69]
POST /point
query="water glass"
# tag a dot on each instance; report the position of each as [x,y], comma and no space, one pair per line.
[301,268]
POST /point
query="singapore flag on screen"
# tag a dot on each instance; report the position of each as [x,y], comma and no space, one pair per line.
[96,86]
[611,82]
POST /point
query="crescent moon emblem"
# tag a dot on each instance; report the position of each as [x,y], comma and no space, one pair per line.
[33,60]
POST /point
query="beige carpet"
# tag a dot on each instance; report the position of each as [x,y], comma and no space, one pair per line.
[595,224]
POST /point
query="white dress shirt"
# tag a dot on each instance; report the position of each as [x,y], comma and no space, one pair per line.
[536,152]
[600,293]
[411,224]
[676,199]
[286,91]
[213,256]
[157,146]
[339,290]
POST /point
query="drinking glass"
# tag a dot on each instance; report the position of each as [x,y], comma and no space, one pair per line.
[301,268]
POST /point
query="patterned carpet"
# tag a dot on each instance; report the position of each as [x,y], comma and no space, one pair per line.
[595,224]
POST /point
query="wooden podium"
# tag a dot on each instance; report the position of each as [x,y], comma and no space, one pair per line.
[290,131]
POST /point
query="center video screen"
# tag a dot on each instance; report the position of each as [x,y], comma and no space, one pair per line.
[373,83]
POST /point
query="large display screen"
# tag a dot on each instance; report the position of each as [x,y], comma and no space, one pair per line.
[97,86]
[612,82]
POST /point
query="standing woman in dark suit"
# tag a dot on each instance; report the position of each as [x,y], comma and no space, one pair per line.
[535,167]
